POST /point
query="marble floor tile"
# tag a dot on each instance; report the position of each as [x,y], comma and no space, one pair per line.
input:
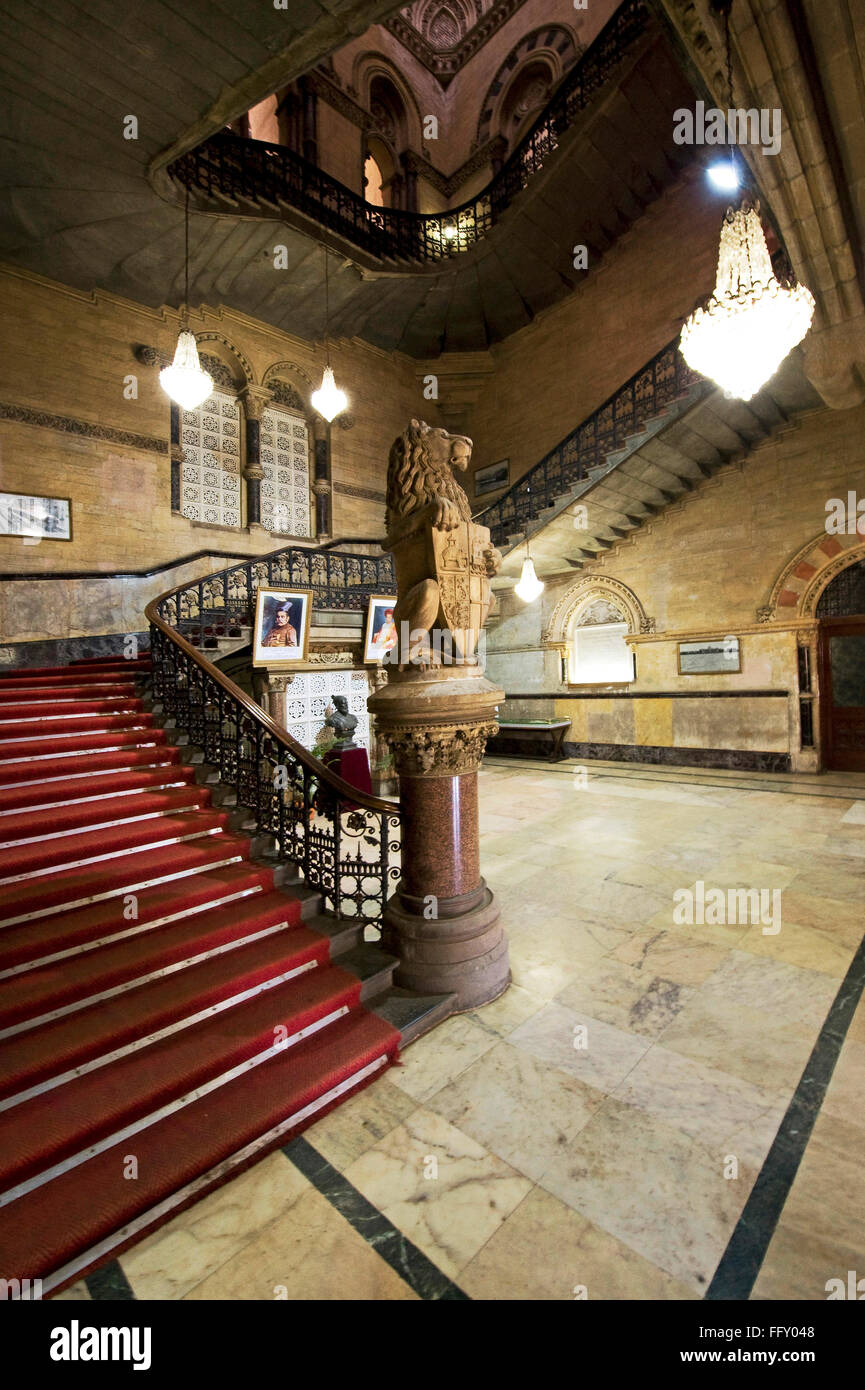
[689,960]
[801,946]
[727,1114]
[357,1124]
[186,1250]
[619,994]
[518,1107]
[310,1253]
[594,1052]
[507,1012]
[440,1056]
[780,990]
[830,882]
[714,1030]
[440,1187]
[545,1250]
[809,1247]
[654,1188]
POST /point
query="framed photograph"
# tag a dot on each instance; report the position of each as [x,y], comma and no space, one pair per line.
[381,633]
[492,478]
[40,518]
[709,658]
[282,622]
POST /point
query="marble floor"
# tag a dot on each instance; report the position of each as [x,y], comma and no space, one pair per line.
[630,1118]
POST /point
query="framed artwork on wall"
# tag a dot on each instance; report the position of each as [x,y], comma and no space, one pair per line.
[282,623]
[39,518]
[492,478]
[710,658]
[380,636]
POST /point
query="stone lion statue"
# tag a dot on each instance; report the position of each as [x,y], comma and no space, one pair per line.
[422,493]
[419,475]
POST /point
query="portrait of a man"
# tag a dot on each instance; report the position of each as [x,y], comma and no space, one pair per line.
[282,619]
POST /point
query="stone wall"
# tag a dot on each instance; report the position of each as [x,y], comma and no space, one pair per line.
[67,429]
[702,568]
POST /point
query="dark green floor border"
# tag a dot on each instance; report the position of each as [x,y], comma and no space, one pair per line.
[746,1249]
[410,1263]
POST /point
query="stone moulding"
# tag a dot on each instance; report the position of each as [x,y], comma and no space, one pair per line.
[67,424]
[447,750]
[594,587]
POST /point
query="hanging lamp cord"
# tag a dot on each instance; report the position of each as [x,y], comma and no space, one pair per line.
[326,311]
[186,263]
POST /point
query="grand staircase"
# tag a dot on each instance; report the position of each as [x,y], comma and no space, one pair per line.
[657,439]
[173,1002]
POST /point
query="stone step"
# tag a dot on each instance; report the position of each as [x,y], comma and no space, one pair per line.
[412,1014]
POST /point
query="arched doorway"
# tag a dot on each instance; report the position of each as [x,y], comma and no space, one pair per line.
[841,610]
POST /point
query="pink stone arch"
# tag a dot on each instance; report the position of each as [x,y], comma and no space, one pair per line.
[802,581]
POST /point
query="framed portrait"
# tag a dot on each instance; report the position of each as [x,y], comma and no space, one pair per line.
[710,658]
[282,622]
[492,478]
[38,518]
[381,634]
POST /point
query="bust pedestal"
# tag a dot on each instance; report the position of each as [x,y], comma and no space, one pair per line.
[442,921]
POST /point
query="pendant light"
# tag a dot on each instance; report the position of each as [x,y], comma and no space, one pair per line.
[740,337]
[185,381]
[328,400]
[529,587]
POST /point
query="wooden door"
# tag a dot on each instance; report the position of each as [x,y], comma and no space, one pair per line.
[842,692]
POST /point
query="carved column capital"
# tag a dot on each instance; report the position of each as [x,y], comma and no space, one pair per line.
[255,400]
[445,750]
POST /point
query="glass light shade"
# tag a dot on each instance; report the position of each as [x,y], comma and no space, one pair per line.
[185,381]
[752,321]
[529,586]
[328,399]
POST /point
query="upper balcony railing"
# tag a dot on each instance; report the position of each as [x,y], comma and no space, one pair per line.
[230,169]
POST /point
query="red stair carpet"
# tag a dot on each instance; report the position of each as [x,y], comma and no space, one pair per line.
[166,1015]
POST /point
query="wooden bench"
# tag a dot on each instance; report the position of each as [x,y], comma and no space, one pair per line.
[527,734]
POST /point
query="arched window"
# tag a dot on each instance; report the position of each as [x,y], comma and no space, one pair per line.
[210,472]
[372,182]
[285,495]
[598,653]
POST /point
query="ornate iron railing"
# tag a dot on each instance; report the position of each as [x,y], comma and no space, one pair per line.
[664,380]
[219,604]
[345,843]
[232,168]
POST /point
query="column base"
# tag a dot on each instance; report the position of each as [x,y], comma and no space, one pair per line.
[463,951]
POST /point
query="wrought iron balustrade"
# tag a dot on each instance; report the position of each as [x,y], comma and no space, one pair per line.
[345,843]
[231,168]
[664,380]
[219,604]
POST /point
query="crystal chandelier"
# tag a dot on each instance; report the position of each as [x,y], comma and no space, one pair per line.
[752,321]
[328,400]
[185,381]
[742,335]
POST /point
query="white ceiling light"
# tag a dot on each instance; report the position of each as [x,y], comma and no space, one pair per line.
[185,381]
[724,175]
[328,400]
[530,587]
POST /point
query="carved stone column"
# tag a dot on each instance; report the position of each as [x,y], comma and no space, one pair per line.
[436,712]
[176,459]
[321,487]
[443,921]
[255,400]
